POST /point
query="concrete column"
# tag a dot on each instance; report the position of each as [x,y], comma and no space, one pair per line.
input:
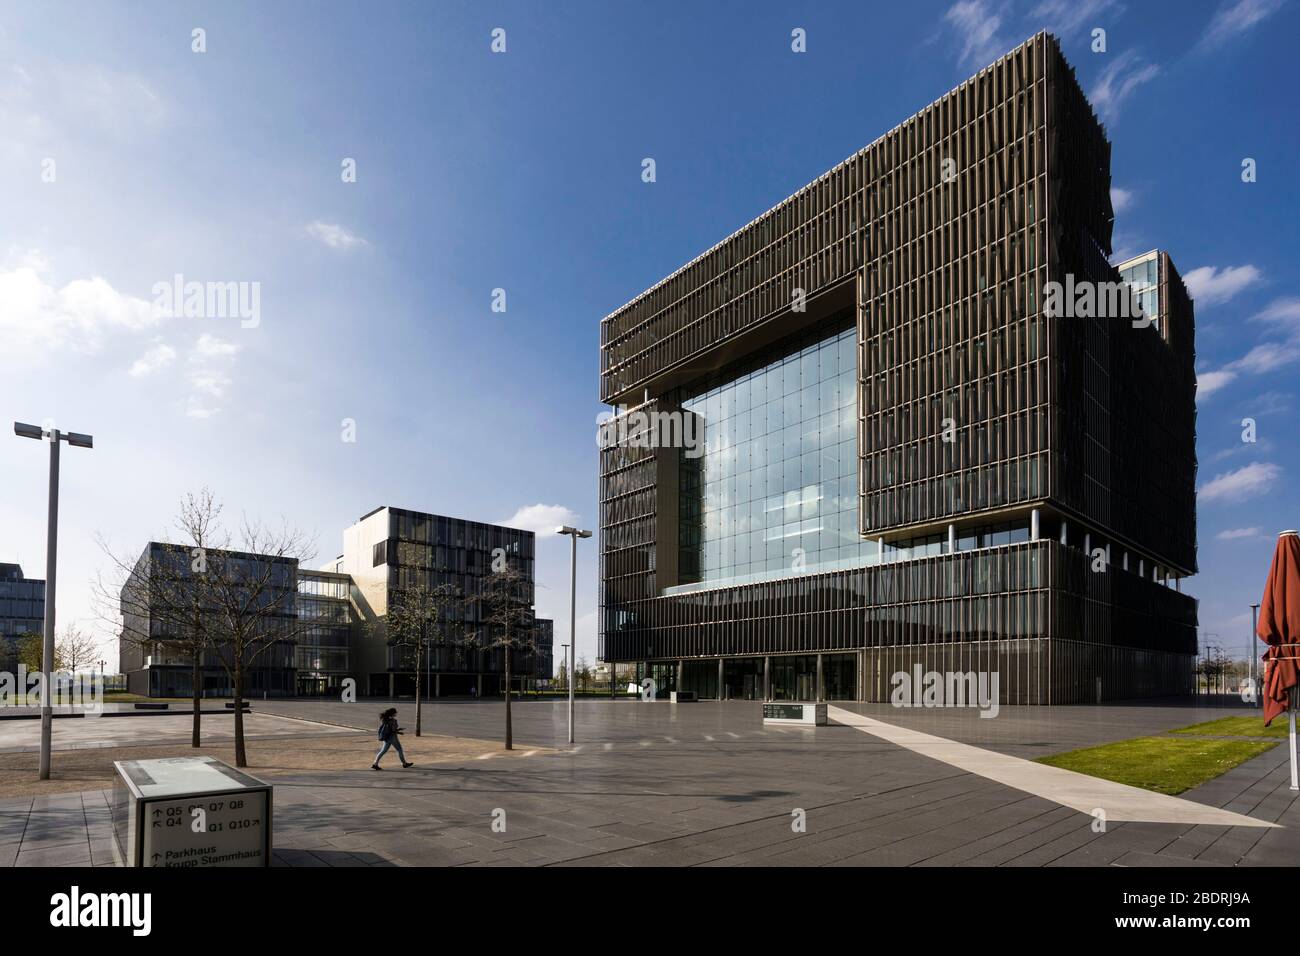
[1142,568]
[821,686]
[1125,560]
[880,549]
[1033,525]
[767,678]
[1108,561]
[390,684]
[722,690]
[1178,585]
[952,539]
[1087,545]
[679,676]
[479,678]
[437,685]
[1065,538]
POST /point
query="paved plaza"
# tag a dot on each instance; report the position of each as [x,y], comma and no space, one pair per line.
[708,784]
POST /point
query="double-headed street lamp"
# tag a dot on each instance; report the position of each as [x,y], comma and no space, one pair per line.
[575,534]
[51,552]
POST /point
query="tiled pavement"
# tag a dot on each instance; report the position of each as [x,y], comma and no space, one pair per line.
[707,784]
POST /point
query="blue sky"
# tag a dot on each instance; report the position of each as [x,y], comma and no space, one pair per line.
[521,171]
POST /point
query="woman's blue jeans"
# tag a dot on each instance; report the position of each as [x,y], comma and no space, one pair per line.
[395,744]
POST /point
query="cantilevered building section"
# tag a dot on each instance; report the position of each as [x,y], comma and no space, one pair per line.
[907,460]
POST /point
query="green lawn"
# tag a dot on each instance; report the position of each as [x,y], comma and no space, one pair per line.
[1236,727]
[1163,764]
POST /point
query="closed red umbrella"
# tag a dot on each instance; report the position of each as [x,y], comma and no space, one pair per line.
[1279,625]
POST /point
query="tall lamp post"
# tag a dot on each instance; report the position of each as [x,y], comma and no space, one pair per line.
[1251,651]
[51,554]
[575,534]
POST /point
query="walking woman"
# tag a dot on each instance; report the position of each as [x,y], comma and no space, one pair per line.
[388,731]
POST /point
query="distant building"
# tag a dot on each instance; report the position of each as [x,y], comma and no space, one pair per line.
[389,549]
[22,611]
[148,656]
[339,617]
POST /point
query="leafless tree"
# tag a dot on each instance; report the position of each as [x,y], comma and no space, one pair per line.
[254,602]
[75,649]
[166,602]
[419,616]
[229,596]
[507,612]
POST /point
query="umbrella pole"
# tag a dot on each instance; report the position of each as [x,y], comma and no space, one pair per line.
[1295,785]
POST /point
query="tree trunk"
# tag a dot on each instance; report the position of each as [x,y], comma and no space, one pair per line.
[510,742]
[241,758]
[419,664]
[196,674]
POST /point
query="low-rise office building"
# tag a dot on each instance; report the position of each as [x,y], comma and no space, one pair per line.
[22,612]
[334,620]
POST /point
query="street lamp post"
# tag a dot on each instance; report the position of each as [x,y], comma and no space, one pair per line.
[575,534]
[51,554]
[1251,652]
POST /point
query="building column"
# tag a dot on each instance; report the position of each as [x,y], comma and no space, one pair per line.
[1087,545]
[1142,568]
[390,684]
[1125,560]
[952,538]
[437,685]
[880,550]
[722,690]
[767,678]
[479,692]
[1034,524]
[1065,538]
[821,687]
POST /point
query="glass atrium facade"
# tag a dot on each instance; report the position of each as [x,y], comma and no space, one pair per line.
[775,491]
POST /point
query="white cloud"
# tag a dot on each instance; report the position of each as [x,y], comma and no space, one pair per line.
[1210,285]
[1246,482]
[1267,357]
[1065,16]
[1120,199]
[209,346]
[1207,383]
[37,317]
[160,356]
[1234,18]
[333,235]
[1124,74]
[977,25]
[1284,312]
[541,519]
[209,360]
[1232,534]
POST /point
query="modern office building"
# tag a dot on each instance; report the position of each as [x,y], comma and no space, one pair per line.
[322,653]
[390,549]
[22,612]
[908,460]
[156,605]
[334,620]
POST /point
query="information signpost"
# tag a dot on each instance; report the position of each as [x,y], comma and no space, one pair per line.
[190,812]
[786,713]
